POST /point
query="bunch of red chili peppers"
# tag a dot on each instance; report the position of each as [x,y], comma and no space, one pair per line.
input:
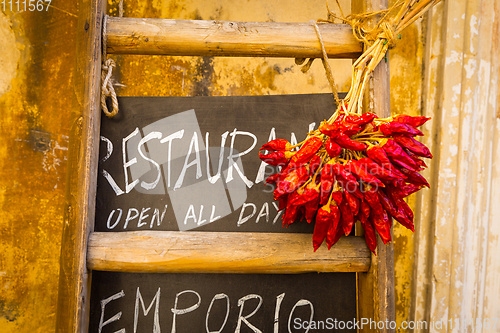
[353,168]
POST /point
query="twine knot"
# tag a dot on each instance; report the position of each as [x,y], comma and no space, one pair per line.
[386,31]
[107,89]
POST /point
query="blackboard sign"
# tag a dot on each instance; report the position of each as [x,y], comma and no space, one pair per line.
[191,163]
[187,163]
[198,303]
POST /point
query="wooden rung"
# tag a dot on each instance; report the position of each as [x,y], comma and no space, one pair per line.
[222,252]
[225,38]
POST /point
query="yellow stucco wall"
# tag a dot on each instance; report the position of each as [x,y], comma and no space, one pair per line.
[36,61]
[38,53]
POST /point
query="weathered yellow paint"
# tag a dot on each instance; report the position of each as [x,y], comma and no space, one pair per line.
[38,48]
[35,94]
[406,93]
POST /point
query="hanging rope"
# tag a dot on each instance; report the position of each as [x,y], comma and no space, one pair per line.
[107,82]
[326,65]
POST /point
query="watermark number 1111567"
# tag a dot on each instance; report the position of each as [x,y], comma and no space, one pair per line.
[26,5]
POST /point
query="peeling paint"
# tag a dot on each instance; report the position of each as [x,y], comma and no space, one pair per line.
[10,54]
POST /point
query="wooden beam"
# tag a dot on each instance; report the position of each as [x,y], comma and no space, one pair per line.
[74,278]
[225,38]
[222,252]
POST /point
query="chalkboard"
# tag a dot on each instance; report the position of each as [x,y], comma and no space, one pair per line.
[162,182]
[153,175]
[226,301]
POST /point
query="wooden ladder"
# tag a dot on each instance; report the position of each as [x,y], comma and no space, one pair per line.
[84,250]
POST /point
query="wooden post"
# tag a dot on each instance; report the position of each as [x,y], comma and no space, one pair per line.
[376,287]
[74,279]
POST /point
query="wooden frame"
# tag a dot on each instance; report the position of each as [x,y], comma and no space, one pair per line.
[375,286]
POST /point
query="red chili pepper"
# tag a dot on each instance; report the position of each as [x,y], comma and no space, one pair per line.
[413,121]
[314,164]
[378,171]
[398,156]
[309,197]
[370,235]
[353,202]
[272,179]
[356,168]
[282,202]
[324,219]
[332,148]
[276,158]
[396,212]
[340,171]
[402,189]
[326,182]
[335,231]
[277,144]
[365,208]
[378,154]
[364,119]
[413,145]
[419,162]
[290,215]
[346,180]
[311,209]
[414,177]
[347,216]
[346,142]
[378,215]
[395,128]
[339,128]
[401,205]
[382,225]
[307,151]
[291,181]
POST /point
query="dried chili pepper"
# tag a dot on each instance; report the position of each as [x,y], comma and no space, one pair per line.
[326,182]
[414,121]
[378,171]
[290,215]
[364,208]
[324,219]
[347,216]
[356,168]
[370,235]
[414,177]
[276,158]
[335,232]
[413,145]
[419,162]
[352,201]
[277,144]
[400,203]
[346,142]
[395,128]
[364,119]
[339,128]
[314,164]
[291,181]
[332,148]
[346,180]
[402,189]
[307,151]
[378,154]
[397,155]
[282,202]
[378,215]
[395,211]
